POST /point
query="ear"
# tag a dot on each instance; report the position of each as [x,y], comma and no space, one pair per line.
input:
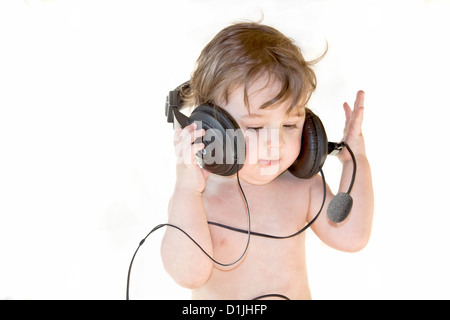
[314,148]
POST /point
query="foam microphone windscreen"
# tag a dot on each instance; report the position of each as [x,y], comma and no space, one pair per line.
[340,207]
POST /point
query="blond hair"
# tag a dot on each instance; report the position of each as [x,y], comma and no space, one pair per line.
[243,52]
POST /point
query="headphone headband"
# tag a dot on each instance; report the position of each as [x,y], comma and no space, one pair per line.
[174,101]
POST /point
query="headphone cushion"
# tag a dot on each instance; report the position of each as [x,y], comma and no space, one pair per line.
[225,132]
[314,148]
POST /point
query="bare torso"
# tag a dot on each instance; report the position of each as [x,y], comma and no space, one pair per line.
[270,266]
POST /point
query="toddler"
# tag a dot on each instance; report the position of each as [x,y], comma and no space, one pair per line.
[261,79]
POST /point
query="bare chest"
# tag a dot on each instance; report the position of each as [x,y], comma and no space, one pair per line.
[274,211]
[269,264]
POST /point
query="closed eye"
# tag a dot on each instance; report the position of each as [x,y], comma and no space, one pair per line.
[290,126]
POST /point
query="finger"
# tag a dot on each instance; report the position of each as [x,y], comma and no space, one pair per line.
[182,142]
[197,134]
[359,102]
[190,128]
[187,156]
[358,117]
[190,151]
[348,112]
[187,132]
[177,132]
[192,136]
[359,108]
[196,147]
[176,136]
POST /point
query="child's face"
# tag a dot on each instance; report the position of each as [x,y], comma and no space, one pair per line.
[273,138]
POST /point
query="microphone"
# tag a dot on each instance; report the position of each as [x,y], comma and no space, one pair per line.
[340,206]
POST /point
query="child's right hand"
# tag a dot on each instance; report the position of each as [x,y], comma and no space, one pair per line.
[190,175]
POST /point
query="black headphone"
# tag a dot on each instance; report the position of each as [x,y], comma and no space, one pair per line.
[314,150]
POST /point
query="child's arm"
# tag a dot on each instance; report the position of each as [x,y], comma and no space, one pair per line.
[182,259]
[354,232]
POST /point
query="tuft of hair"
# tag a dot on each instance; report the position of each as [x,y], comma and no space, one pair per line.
[242,53]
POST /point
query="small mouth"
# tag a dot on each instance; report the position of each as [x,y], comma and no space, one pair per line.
[268,163]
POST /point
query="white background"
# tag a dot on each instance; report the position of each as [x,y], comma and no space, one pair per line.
[86,157]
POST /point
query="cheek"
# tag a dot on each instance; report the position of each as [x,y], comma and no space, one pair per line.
[292,148]
[251,149]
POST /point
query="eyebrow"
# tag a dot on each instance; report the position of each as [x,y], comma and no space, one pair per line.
[253,115]
[256,115]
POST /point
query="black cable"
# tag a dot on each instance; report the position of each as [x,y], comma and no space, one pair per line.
[249,233]
[281,237]
[195,242]
[272,295]
[354,166]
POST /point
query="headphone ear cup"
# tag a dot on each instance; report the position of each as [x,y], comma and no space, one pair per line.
[224,152]
[314,148]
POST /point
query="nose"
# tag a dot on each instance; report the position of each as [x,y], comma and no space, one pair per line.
[275,139]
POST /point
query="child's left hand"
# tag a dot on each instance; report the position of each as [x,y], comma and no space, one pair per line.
[353,128]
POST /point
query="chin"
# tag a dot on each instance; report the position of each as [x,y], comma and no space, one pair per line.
[260,175]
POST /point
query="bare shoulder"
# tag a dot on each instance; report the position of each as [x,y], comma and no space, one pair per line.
[292,191]
[309,191]
[287,180]
[286,194]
